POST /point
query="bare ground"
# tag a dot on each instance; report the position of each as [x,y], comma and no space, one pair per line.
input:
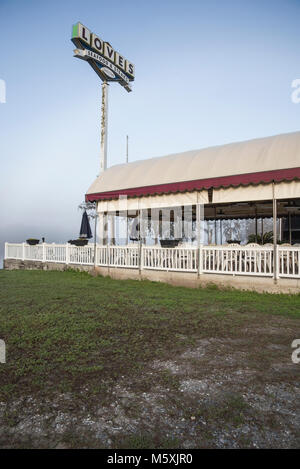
[227,392]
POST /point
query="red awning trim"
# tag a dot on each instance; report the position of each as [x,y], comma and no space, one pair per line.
[276,175]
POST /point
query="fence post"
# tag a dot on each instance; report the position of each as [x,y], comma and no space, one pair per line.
[5,250]
[142,258]
[23,251]
[67,253]
[44,253]
[95,255]
[200,259]
[276,263]
[199,244]
[275,254]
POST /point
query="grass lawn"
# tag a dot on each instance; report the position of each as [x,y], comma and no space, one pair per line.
[98,362]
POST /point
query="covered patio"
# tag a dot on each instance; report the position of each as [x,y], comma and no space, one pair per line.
[234,209]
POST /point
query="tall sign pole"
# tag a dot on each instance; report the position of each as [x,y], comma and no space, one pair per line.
[109,65]
[103,143]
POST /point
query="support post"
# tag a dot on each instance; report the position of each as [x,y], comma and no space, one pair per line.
[112,237]
[290,229]
[95,240]
[105,229]
[23,251]
[199,245]
[140,240]
[215,225]
[256,233]
[104,110]
[67,253]
[44,252]
[5,250]
[275,257]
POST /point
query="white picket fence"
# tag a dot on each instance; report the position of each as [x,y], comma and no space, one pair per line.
[288,261]
[231,260]
[118,256]
[238,260]
[177,259]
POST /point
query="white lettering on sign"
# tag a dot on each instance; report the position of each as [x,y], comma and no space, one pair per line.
[86,53]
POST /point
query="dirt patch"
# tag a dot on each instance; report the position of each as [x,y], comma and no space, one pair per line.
[207,396]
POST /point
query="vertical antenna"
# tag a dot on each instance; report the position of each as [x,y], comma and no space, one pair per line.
[126,148]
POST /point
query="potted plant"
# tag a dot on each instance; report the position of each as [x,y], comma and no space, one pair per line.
[169,243]
[32,241]
[266,239]
[79,242]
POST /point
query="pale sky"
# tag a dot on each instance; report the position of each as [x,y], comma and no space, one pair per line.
[207,73]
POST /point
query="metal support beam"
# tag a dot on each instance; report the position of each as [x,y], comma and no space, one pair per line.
[199,245]
[290,229]
[104,110]
[112,218]
[105,229]
[95,239]
[140,239]
[215,225]
[256,237]
[221,231]
[275,259]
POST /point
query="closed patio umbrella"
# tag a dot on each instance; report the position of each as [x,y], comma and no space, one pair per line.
[85,229]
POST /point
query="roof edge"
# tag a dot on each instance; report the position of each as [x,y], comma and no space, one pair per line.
[237,180]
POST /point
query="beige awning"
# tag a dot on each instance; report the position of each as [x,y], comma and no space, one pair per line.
[236,164]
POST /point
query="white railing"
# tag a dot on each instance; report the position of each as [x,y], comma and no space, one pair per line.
[13,251]
[102,255]
[182,259]
[118,256]
[288,262]
[55,253]
[240,260]
[233,260]
[81,254]
[123,256]
[33,253]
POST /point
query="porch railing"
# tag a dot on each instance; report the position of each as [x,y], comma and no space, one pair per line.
[241,260]
[288,261]
[238,260]
[177,259]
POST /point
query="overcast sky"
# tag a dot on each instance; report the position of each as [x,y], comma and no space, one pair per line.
[207,73]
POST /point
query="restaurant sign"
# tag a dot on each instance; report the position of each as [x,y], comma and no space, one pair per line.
[109,64]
